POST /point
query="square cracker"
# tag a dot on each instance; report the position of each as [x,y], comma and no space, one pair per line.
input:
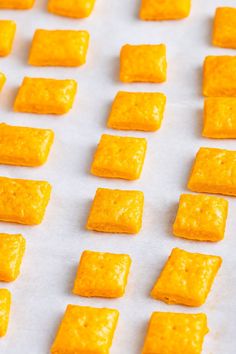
[143,63]
[201,217]
[119,157]
[102,274]
[214,172]
[175,333]
[186,278]
[118,211]
[85,330]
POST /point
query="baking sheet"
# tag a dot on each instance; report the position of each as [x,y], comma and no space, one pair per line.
[43,290]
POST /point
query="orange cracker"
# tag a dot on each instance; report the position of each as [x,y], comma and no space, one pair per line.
[219,118]
[186,278]
[159,10]
[224,32]
[12,249]
[85,330]
[137,111]
[119,157]
[102,274]
[143,63]
[175,333]
[2,80]
[23,201]
[47,48]
[5,305]
[16,4]
[213,172]
[201,217]
[71,8]
[118,211]
[23,146]
[45,96]
[7,34]
[219,76]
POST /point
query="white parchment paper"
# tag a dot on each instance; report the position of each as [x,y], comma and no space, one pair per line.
[43,290]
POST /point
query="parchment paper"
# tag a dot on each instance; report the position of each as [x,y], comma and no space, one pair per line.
[43,290]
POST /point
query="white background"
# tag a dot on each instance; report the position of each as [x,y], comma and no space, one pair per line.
[43,290]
